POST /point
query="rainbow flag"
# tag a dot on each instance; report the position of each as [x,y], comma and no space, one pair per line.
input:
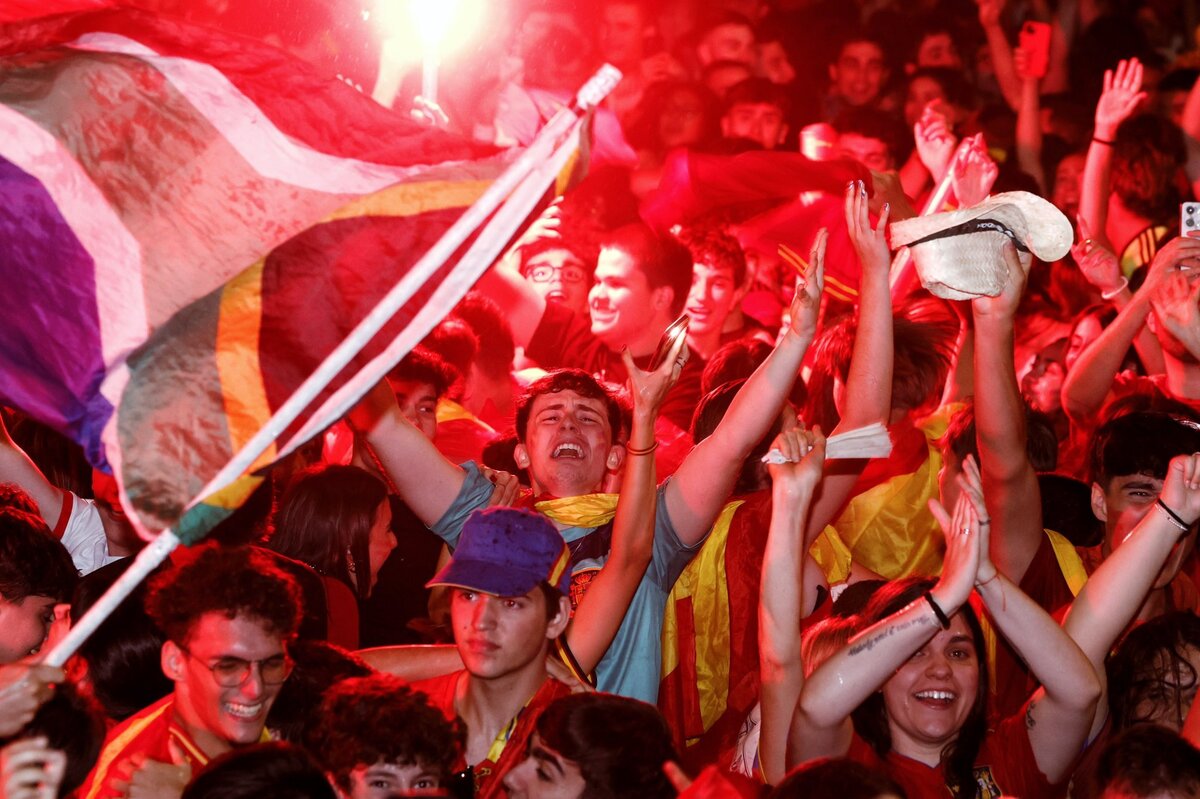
[189,224]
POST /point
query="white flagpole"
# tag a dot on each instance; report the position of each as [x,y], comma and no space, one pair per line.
[539,151]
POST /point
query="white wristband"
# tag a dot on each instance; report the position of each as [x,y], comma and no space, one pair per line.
[1109,295]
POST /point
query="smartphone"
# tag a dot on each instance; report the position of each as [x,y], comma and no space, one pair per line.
[675,331]
[1035,41]
[1189,218]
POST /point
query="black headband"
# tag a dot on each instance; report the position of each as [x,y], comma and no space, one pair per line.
[977,225]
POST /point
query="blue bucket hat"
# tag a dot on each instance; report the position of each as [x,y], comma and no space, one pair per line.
[507,552]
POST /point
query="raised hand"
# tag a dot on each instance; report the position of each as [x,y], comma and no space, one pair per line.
[649,389]
[1181,489]
[971,484]
[30,769]
[935,140]
[806,303]
[505,487]
[960,568]
[1005,305]
[1177,255]
[1121,96]
[804,454]
[1097,262]
[989,12]
[870,243]
[974,172]
[1176,303]
[23,689]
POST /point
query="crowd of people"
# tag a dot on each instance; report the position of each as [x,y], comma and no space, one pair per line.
[640,405]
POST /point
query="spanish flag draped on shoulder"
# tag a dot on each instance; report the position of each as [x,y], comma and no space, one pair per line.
[190,224]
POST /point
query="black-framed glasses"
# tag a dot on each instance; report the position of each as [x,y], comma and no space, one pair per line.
[230,672]
[544,273]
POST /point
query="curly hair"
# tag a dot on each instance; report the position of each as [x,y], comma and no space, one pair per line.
[325,518]
[619,744]
[871,720]
[234,581]
[32,561]
[715,246]
[368,720]
[582,384]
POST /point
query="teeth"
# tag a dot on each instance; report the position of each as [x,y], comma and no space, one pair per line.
[941,696]
[243,711]
[575,450]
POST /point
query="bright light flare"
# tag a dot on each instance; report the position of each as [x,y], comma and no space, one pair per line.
[437,27]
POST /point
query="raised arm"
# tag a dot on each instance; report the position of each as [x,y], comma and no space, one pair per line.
[821,725]
[782,594]
[869,381]
[1115,592]
[1001,50]
[1029,123]
[602,609]
[1008,477]
[701,485]
[505,284]
[18,469]
[1122,94]
[428,483]
[1090,379]
[1059,715]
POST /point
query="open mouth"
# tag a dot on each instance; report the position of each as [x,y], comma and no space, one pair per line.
[567,450]
[241,711]
[936,699]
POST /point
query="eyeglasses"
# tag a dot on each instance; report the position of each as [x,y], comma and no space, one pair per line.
[544,273]
[230,672]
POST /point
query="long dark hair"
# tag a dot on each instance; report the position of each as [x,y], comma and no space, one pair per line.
[325,520]
[871,719]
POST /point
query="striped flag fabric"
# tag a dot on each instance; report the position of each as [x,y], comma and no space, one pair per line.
[189,224]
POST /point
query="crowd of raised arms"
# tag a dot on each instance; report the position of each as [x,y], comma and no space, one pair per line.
[551,556]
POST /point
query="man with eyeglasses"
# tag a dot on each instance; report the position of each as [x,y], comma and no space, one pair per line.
[228,614]
[559,272]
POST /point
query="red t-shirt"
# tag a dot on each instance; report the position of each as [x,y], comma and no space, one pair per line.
[1005,766]
[489,773]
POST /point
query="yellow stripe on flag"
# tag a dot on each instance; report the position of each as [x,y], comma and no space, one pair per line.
[409,199]
[238,329]
[704,580]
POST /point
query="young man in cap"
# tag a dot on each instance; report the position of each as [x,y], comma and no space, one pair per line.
[509,579]
[228,615]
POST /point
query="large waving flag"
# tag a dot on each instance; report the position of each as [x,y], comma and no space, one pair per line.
[189,224]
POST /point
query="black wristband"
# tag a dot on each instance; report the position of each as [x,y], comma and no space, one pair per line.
[1180,523]
[1105,142]
[937,611]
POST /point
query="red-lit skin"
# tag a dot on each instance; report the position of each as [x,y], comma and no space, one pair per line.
[418,403]
[572,294]
[24,626]
[728,43]
[384,780]
[382,540]
[560,418]
[203,706]
[713,296]
[921,726]
[545,774]
[498,636]
[938,50]
[762,123]
[622,304]
[859,73]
